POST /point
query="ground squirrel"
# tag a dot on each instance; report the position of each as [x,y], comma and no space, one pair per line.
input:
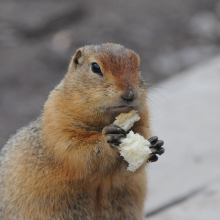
[65,164]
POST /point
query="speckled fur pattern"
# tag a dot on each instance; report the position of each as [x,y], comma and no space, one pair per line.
[60,167]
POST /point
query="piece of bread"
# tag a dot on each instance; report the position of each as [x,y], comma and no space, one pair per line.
[127,120]
[134,148]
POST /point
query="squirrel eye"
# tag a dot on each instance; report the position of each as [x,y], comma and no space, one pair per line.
[96,69]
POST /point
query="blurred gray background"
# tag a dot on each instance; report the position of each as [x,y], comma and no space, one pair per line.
[38,38]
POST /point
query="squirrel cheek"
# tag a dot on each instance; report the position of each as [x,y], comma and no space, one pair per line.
[111,92]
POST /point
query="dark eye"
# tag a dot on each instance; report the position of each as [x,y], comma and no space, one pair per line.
[96,69]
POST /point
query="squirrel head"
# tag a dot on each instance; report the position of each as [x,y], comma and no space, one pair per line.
[102,82]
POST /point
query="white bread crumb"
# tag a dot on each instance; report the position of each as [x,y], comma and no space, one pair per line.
[126,121]
[134,148]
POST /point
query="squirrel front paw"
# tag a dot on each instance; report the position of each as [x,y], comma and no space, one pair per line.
[156,147]
[112,134]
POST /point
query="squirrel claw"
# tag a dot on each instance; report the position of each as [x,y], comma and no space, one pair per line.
[161,151]
[154,158]
[113,144]
[112,134]
[153,139]
[156,147]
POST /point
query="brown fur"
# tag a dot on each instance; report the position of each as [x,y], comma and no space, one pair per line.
[60,166]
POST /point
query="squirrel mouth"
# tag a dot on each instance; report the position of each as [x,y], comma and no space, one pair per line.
[119,107]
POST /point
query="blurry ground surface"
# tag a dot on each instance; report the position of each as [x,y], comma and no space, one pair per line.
[185,182]
[38,38]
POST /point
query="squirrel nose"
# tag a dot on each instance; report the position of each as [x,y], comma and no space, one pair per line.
[129,96]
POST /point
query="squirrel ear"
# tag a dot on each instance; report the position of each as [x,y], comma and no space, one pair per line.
[77,59]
